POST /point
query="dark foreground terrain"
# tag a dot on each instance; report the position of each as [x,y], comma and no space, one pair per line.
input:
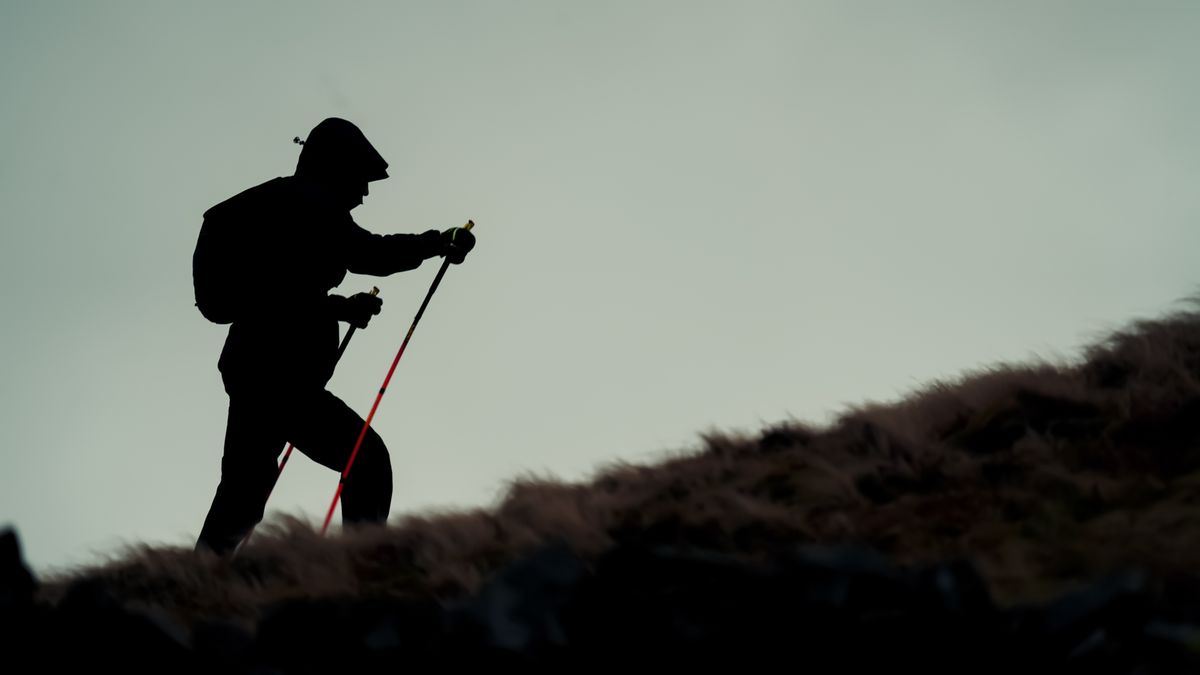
[1022,517]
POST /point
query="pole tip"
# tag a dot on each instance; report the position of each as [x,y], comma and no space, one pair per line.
[469,225]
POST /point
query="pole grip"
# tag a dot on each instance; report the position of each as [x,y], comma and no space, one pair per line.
[470,224]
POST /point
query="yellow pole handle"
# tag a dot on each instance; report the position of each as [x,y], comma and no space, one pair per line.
[468,226]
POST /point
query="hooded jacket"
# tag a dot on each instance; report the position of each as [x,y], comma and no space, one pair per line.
[294,245]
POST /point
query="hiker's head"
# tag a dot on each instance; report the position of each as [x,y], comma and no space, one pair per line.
[338,155]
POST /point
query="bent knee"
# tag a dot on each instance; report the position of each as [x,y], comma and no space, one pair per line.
[374,440]
[373,459]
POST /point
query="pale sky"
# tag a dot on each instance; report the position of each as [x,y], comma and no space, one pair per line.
[691,216]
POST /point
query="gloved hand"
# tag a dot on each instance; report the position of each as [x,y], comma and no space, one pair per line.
[457,242]
[357,309]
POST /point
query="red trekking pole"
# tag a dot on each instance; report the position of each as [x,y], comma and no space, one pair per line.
[367,424]
[288,453]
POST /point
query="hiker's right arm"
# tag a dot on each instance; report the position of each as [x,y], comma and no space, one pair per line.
[355,310]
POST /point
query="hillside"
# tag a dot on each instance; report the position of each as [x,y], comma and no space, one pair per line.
[1020,484]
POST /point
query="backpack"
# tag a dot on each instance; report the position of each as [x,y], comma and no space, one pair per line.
[223,265]
[213,270]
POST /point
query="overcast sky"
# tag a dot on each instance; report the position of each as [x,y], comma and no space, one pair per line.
[691,216]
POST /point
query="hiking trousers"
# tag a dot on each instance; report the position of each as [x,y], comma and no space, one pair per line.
[261,422]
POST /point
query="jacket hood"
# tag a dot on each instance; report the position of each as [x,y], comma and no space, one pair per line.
[338,149]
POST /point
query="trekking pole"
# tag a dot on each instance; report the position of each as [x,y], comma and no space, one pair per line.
[288,453]
[367,424]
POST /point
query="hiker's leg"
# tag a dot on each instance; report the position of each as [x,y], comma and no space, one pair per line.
[248,471]
[326,431]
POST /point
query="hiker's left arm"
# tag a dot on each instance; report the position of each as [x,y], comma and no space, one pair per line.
[383,254]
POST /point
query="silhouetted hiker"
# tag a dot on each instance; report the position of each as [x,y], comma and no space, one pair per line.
[265,261]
